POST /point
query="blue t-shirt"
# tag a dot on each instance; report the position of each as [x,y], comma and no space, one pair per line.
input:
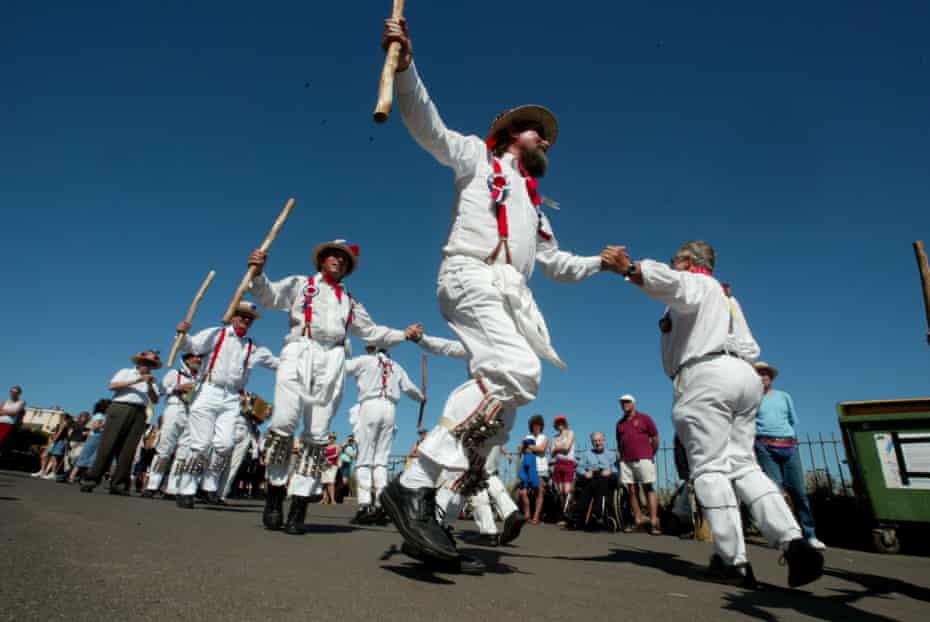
[777,417]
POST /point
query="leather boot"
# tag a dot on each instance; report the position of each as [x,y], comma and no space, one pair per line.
[296,516]
[273,516]
[512,526]
[185,502]
[805,563]
[414,514]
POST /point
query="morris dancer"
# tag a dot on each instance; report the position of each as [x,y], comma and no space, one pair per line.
[498,233]
[215,406]
[492,494]
[178,384]
[310,381]
[717,395]
[380,383]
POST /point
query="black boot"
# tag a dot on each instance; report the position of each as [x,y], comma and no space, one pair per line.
[380,517]
[211,498]
[414,514]
[185,502]
[362,516]
[273,516]
[512,526]
[296,516]
[805,563]
[148,494]
[719,572]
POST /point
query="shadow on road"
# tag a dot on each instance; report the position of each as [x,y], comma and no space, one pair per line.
[419,571]
[9,498]
[760,603]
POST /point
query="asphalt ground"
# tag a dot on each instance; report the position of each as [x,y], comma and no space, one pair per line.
[65,555]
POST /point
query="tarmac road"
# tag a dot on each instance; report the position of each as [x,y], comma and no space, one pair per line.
[72,556]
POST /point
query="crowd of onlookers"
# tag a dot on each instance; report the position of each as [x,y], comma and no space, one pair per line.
[557,481]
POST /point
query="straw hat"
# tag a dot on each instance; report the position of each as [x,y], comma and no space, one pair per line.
[247,308]
[528,113]
[351,251]
[148,357]
[763,366]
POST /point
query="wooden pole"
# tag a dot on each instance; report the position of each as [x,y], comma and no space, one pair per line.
[386,85]
[924,269]
[423,403]
[190,315]
[250,273]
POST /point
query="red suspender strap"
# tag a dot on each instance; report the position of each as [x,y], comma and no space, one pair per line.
[216,352]
[248,355]
[310,294]
[500,190]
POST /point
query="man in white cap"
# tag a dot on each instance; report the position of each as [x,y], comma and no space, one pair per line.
[638,441]
[133,390]
[309,382]
[380,382]
[230,357]
[717,394]
[498,235]
[178,385]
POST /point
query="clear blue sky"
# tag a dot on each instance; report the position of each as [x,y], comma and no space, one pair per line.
[146,143]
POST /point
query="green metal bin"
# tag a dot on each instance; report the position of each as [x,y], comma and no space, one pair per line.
[888,452]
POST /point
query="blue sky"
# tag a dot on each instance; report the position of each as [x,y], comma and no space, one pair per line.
[144,144]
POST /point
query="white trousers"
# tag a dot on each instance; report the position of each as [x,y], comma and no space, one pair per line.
[714,414]
[308,385]
[374,432]
[173,423]
[241,444]
[212,421]
[181,454]
[449,504]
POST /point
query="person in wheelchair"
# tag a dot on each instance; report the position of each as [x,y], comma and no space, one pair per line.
[593,487]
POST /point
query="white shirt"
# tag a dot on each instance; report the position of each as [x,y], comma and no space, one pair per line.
[331,316]
[379,376]
[172,380]
[698,310]
[443,347]
[571,448]
[137,393]
[474,222]
[229,370]
[11,411]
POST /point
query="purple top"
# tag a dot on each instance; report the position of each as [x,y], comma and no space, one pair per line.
[634,437]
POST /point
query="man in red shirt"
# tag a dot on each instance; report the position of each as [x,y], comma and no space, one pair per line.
[638,440]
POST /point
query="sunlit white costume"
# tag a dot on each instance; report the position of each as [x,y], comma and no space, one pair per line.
[228,360]
[705,346]
[174,421]
[380,384]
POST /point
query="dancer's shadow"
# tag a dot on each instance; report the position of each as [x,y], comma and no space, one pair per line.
[9,498]
[761,603]
[226,508]
[421,571]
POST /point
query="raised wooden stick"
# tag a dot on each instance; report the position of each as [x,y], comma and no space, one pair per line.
[250,273]
[190,315]
[423,403]
[924,278]
[386,86]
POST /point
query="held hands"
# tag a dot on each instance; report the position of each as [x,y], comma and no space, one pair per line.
[184,326]
[396,30]
[258,259]
[615,259]
[414,332]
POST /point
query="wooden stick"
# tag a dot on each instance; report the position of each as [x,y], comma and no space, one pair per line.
[924,268]
[250,273]
[423,403]
[386,86]
[190,315]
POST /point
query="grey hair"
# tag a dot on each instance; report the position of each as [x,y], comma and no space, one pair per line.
[701,253]
[596,434]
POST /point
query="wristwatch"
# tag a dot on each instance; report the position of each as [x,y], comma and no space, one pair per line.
[632,270]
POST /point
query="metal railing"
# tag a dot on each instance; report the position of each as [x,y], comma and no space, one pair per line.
[824,461]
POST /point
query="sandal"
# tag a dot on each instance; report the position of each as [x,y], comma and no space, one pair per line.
[637,528]
[655,531]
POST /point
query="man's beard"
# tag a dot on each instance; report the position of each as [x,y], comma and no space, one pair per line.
[534,161]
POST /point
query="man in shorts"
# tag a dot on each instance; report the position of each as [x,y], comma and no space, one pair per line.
[638,440]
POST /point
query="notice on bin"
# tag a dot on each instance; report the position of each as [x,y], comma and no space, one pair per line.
[914,450]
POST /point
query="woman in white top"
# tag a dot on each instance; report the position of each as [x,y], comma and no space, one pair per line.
[563,450]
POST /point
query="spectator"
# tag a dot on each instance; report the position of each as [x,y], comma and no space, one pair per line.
[534,467]
[563,450]
[776,448]
[11,414]
[56,452]
[595,468]
[77,435]
[331,455]
[89,451]
[133,389]
[637,441]
[347,454]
